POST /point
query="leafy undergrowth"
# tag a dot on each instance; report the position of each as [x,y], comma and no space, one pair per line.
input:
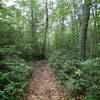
[80,78]
[14,73]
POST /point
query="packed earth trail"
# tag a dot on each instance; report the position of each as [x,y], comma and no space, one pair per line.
[43,84]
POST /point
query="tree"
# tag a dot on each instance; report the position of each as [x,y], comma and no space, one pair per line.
[84,27]
[46,29]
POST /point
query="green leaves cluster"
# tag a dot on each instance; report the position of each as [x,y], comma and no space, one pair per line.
[14,73]
[81,78]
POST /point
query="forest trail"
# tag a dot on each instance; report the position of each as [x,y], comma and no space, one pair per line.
[43,84]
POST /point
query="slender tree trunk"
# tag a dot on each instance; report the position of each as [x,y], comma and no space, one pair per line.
[84,26]
[94,34]
[46,29]
[32,17]
[33,12]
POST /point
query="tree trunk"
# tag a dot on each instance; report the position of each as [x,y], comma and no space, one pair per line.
[84,26]
[94,34]
[32,18]
[46,29]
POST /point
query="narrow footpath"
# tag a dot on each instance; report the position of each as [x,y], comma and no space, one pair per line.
[43,84]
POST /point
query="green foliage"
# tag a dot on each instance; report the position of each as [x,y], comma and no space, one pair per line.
[14,73]
[27,51]
[9,50]
[20,39]
[98,0]
[15,43]
[78,77]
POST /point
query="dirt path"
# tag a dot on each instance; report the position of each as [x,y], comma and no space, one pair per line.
[43,84]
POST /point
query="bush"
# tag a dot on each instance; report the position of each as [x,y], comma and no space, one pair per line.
[9,50]
[78,77]
[14,73]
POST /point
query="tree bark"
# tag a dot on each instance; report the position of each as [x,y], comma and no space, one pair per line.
[46,29]
[84,26]
[32,18]
[94,34]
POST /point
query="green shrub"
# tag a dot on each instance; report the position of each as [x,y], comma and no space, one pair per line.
[78,77]
[14,73]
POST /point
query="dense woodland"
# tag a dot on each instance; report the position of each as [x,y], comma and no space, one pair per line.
[64,32]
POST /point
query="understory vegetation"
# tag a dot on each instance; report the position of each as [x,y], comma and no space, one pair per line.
[64,32]
[14,74]
[80,78]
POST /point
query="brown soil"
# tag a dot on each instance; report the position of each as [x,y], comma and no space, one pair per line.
[43,84]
